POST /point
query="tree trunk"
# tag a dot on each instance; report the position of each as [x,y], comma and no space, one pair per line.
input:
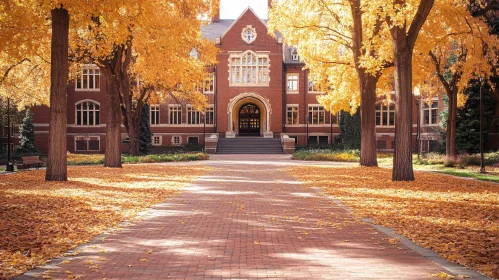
[450,147]
[367,84]
[367,120]
[404,39]
[57,142]
[133,134]
[112,156]
[402,158]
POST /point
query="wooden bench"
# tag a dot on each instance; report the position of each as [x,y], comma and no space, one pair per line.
[30,162]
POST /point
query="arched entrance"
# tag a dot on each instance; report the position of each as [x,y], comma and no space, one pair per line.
[249,120]
[260,125]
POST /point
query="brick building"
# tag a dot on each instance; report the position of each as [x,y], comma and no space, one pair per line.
[258,88]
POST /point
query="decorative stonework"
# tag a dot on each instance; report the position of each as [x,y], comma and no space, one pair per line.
[261,100]
[249,34]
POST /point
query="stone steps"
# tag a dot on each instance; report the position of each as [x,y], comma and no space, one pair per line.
[249,145]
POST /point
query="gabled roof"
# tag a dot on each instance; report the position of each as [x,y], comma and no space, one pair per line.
[219,29]
[216,29]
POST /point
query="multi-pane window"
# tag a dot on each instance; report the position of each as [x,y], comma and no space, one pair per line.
[249,68]
[385,115]
[335,118]
[430,114]
[193,116]
[88,79]
[292,82]
[87,113]
[209,116]
[176,140]
[175,114]
[209,83]
[193,140]
[313,87]
[83,143]
[292,115]
[156,140]
[316,115]
[318,140]
[249,34]
[154,114]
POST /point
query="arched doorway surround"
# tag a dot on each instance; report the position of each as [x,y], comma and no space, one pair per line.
[236,103]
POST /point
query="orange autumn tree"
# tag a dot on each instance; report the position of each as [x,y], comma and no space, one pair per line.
[26,26]
[454,48]
[135,51]
[24,67]
[346,49]
[405,19]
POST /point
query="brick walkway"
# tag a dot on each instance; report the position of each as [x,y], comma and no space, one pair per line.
[246,220]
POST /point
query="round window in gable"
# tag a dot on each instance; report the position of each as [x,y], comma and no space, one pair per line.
[249,34]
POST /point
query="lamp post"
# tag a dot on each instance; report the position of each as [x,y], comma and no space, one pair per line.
[482,160]
[10,166]
[204,130]
[331,128]
[306,120]
[417,98]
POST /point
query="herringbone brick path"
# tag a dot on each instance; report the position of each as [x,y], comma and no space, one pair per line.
[246,220]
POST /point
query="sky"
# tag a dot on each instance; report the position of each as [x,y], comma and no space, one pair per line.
[232,9]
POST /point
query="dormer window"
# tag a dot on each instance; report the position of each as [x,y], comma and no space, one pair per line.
[249,34]
[294,55]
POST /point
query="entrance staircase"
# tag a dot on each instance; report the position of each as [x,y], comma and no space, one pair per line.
[249,145]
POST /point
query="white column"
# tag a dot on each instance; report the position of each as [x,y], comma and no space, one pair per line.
[230,132]
[268,133]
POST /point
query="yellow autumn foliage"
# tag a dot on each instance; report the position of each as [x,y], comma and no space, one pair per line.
[40,220]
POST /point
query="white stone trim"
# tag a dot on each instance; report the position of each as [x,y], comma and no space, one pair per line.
[232,103]
[160,140]
[86,137]
[173,140]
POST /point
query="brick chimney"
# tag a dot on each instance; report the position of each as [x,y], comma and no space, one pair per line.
[216,17]
[269,3]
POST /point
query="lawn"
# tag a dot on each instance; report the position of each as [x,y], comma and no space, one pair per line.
[40,220]
[463,166]
[90,159]
[455,217]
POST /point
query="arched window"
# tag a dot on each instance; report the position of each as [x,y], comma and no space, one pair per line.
[249,68]
[385,115]
[87,113]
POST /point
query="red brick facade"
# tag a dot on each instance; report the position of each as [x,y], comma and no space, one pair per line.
[272,100]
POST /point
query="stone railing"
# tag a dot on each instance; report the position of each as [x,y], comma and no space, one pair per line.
[211,144]
[288,144]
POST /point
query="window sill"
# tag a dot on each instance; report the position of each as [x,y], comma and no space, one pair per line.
[78,125]
[87,89]
[385,126]
[292,92]
[316,92]
[248,85]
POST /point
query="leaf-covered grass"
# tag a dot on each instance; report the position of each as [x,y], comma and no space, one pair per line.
[462,166]
[335,155]
[458,218]
[40,220]
[327,155]
[91,159]
[473,172]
